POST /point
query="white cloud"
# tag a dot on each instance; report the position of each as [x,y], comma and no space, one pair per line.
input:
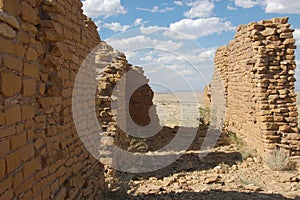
[283,6]
[152,29]
[138,22]
[142,42]
[230,7]
[201,27]
[297,36]
[178,3]
[116,27]
[156,9]
[107,8]
[248,3]
[200,8]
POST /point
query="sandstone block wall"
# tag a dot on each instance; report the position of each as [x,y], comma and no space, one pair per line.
[42,44]
[257,72]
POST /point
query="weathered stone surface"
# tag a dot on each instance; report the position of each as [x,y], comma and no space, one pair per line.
[12,21]
[7,31]
[257,99]
[10,84]
[29,14]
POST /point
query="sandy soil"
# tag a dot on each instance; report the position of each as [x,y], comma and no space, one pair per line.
[178,109]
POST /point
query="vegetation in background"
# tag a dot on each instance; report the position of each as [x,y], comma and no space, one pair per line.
[204,115]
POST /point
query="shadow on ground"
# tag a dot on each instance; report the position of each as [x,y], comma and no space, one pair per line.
[190,160]
[209,195]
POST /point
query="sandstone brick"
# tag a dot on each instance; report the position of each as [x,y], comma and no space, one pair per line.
[13,160]
[2,119]
[31,54]
[30,168]
[13,115]
[29,14]
[7,131]
[27,112]
[13,62]
[10,84]
[4,147]
[7,31]
[9,194]
[18,140]
[27,152]
[6,45]
[10,20]
[12,6]
[2,168]
[18,179]
[22,37]
[19,50]
[31,70]
[29,87]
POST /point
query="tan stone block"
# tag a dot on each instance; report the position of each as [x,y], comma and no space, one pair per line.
[18,140]
[11,6]
[22,37]
[31,54]
[27,112]
[10,84]
[6,184]
[2,168]
[29,87]
[13,62]
[27,152]
[30,168]
[2,119]
[29,14]
[13,114]
[9,194]
[18,179]
[31,70]
[7,31]
[10,20]
[13,160]
[19,50]
[4,147]
[289,41]
[7,131]
[6,45]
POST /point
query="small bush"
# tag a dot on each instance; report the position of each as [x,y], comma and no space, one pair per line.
[279,160]
[204,115]
[245,151]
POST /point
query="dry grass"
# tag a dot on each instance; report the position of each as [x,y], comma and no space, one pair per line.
[279,160]
[245,151]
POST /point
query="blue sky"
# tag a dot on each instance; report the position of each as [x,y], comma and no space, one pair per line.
[175,41]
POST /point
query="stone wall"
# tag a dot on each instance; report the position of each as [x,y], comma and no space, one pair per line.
[257,72]
[41,156]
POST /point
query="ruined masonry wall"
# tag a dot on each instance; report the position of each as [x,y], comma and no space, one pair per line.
[257,70]
[42,44]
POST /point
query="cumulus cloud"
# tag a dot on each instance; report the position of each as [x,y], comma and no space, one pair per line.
[230,7]
[156,9]
[138,22]
[200,8]
[142,42]
[249,3]
[202,27]
[107,8]
[283,6]
[178,3]
[297,37]
[116,26]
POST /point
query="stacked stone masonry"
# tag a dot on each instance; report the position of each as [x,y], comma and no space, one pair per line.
[257,72]
[42,45]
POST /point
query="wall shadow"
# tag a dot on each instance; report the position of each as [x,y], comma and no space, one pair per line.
[206,195]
